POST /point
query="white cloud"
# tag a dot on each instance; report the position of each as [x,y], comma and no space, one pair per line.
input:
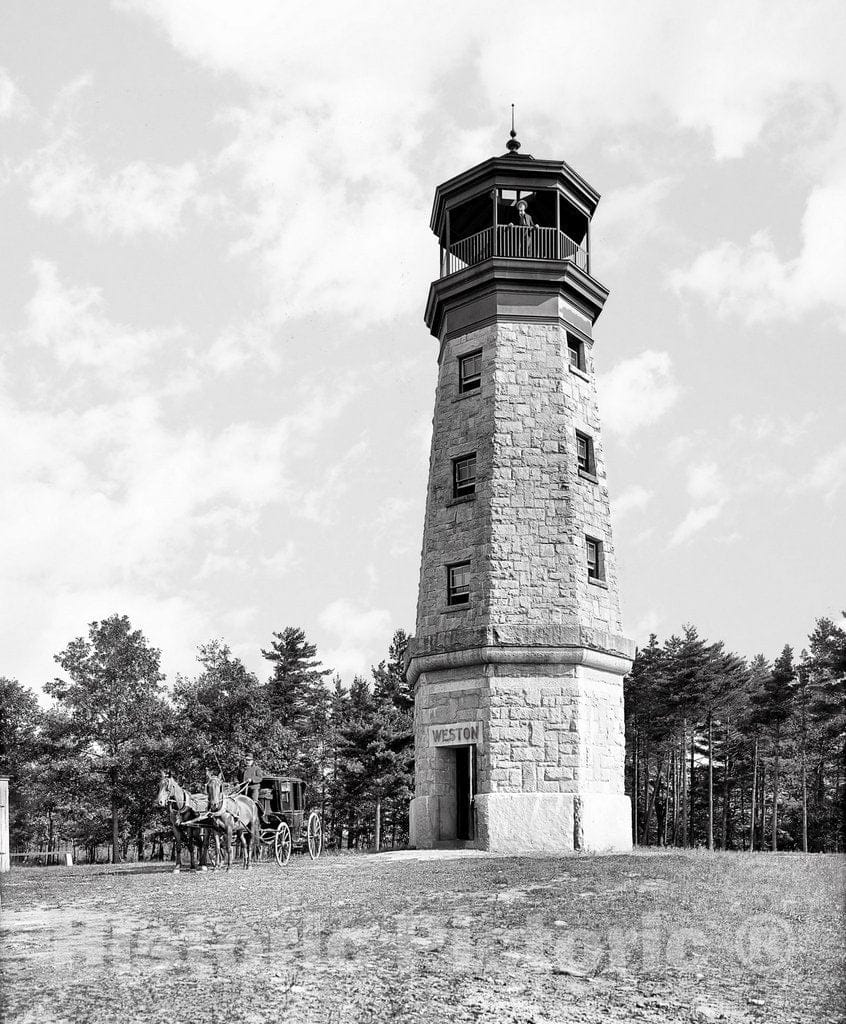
[704,482]
[713,68]
[706,486]
[112,491]
[828,474]
[137,198]
[107,499]
[755,284]
[695,520]
[328,148]
[322,502]
[71,323]
[633,499]
[13,104]
[339,228]
[786,430]
[649,622]
[325,153]
[628,218]
[51,616]
[283,560]
[637,392]
[355,631]
[392,511]
[64,182]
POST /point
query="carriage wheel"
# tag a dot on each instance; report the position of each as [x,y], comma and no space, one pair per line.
[282,844]
[315,835]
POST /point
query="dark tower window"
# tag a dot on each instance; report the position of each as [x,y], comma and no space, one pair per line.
[584,454]
[458,583]
[576,352]
[595,559]
[464,476]
[470,372]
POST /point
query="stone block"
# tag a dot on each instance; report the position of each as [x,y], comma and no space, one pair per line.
[603,822]
[424,813]
[526,822]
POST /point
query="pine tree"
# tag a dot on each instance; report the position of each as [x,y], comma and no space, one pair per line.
[296,707]
[333,796]
[394,707]
[643,690]
[775,702]
[690,665]
[359,750]
[803,695]
[751,726]
[827,667]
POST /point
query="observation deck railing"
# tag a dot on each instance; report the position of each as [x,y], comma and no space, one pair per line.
[515,241]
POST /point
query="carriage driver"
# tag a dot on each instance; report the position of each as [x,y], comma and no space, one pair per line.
[251,777]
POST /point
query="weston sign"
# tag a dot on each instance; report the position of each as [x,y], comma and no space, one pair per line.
[455,734]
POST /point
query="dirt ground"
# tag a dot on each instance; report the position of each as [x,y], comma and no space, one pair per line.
[645,937]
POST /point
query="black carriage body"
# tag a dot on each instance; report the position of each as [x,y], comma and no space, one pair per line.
[282,798]
[286,822]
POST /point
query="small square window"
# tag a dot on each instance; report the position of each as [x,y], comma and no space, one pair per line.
[470,372]
[458,583]
[595,559]
[576,352]
[464,476]
[584,454]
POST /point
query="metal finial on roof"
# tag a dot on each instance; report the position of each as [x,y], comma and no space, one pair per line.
[512,145]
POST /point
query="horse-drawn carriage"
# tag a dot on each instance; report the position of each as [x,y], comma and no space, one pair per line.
[279,819]
[286,822]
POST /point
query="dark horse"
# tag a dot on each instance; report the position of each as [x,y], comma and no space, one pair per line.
[183,807]
[231,815]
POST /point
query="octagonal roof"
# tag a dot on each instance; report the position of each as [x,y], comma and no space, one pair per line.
[517,171]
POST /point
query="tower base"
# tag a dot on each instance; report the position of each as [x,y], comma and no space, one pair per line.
[522,823]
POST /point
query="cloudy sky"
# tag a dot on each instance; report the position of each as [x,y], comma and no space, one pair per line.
[215,383]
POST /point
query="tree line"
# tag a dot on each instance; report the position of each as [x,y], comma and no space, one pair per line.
[86,768]
[721,752]
[733,754]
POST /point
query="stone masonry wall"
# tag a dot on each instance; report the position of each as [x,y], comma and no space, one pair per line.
[557,733]
[524,531]
[457,529]
[558,730]
[540,506]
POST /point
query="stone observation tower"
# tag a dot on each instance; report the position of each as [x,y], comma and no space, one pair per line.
[518,659]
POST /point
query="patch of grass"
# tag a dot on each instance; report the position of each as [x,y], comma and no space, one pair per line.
[652,936]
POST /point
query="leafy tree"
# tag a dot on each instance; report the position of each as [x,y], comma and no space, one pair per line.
[111,702]
[221,715]
[20,718]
